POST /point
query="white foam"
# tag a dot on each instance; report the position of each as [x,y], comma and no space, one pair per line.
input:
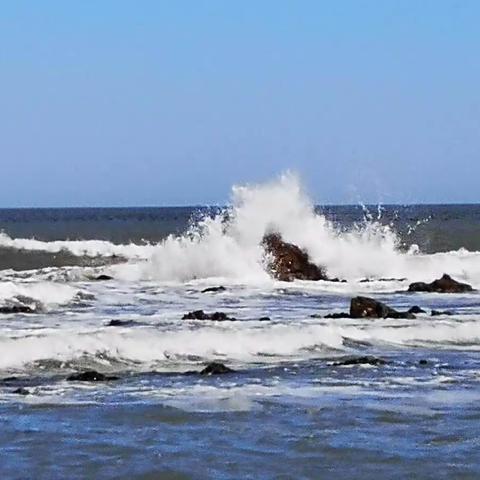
[48,293]
[242,342]
[228,246]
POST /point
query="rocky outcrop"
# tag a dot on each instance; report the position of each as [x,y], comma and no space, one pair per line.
[201,315]
[287,262]
[365,307]
[446,284]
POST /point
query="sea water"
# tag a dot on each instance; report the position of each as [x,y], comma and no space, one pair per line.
[290,409]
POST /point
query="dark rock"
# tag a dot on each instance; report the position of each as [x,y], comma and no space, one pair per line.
[21,391]
[416,309]
[437,313]
[287,262]
[337,315]
[366,360]
[17,309]
[214,289]
[90,376]
[264,319]
[365,307]
[201,315]
[216,368]
[446,284]
[120,323]
[337,280]
[103,278]
[423,362]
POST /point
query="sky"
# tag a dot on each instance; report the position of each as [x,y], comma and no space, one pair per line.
[151,102]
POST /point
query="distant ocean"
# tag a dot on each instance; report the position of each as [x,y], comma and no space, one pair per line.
[308,397]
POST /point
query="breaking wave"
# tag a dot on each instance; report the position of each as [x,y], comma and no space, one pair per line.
[227,246]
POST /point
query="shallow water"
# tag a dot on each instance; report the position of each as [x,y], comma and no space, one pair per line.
[288,410]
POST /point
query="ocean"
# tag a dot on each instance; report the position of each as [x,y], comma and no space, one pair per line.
[308,397]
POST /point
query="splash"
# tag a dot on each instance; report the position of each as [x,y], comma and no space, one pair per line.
[227,245]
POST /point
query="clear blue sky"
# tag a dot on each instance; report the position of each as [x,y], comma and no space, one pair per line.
[171,102]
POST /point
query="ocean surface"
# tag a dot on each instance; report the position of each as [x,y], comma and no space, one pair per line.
[291,409]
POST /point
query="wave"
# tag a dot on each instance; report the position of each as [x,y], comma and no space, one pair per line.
[45,294]
[144,348]
[227,246]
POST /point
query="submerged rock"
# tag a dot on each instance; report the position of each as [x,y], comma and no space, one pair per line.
[103,278]
[365,307]
[446,284]
[90,376]
[437,313]
[120,323]
[365,360]
[216,368]
[201,315]
[287,262]
[221,288]
[21,391]
[333,315]
[416,309]
[17,309]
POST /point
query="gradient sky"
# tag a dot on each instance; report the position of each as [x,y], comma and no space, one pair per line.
[117,103]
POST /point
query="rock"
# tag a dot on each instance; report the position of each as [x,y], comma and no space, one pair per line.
[416,309]
[90,376]
[214,289]
[17,309]
[423,362]
[446,284]
[365,307]
[120,323]
[216,368]
[287,262]
[21,391]
[103,278]
[366,360]
[335,315]
[264,319]
[437,313]
[201,315]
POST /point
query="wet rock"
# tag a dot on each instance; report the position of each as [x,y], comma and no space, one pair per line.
[216,368]
[365,360]
[415,309]
[446,284]
[17,309]
[337,280]
[423,362]
[214,289]
[437,313]
[264,319]
[287,262]
[365,307]
[103,278]
[120,323]
[201,315]
[90,376]
[336,315]
[21,391]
